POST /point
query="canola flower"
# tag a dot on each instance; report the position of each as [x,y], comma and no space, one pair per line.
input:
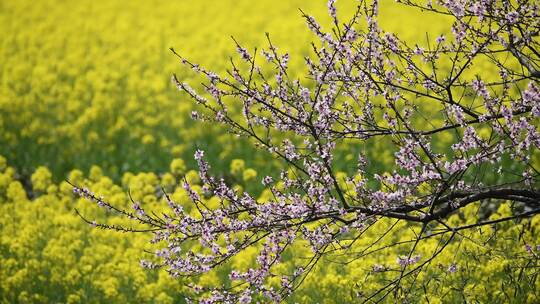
[49,254]
[86,83]
[85,94]
[376,73]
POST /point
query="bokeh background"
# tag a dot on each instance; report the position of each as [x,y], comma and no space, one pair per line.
[85,96]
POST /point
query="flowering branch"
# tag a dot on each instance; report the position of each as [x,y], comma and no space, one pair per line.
[457,138]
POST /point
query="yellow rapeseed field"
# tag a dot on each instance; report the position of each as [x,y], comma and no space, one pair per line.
[85,96]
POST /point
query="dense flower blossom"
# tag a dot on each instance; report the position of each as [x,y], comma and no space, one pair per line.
[445,128]
[405,261]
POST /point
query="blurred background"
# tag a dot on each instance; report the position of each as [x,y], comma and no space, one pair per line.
[88,82]
[85,95]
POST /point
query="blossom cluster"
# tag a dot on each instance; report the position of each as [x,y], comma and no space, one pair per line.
[363,85]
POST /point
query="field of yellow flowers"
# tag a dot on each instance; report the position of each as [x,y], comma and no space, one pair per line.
[85,96]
